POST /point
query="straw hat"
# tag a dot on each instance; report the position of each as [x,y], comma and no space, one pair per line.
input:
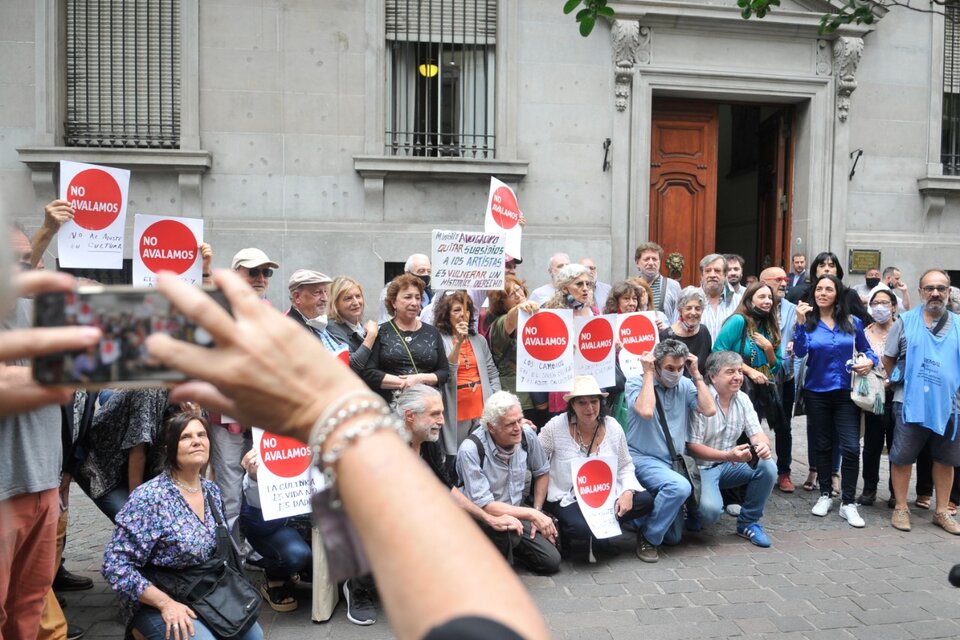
[584,386]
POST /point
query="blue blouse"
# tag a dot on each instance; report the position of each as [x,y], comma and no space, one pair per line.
[157,527]
[828,351]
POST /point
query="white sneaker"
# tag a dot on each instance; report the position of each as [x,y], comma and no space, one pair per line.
[849,513]
[823,506]
[733,510]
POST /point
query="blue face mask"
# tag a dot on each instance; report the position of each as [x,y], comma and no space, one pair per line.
[669,379]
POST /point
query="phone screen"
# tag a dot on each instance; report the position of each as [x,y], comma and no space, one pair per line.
[126,316]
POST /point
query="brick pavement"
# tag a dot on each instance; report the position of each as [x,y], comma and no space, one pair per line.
[821,580]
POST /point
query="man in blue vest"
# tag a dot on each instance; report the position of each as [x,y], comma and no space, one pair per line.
[923,351]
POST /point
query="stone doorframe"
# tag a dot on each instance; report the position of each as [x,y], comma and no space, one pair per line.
[821,151]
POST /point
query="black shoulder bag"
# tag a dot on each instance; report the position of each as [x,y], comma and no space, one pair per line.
[682,463]
[218,590]
[767,399]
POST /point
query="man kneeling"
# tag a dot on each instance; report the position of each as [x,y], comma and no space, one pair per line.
[492,464]
[723,463]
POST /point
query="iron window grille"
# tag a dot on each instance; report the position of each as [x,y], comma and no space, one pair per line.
[123,73]
[950,129]
[441,78]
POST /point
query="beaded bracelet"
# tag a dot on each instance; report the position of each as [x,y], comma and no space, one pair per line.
[339,412]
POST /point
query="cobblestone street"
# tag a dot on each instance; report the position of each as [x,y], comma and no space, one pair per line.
[822,579]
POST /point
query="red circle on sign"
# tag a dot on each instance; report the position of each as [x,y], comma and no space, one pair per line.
[594,483]
[95,197]
[503,206]
[168,245]
[545,336]
[284,457]
[596,340]
[638,334]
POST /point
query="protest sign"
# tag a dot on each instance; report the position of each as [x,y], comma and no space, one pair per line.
[595,355]
[467,260]
[637,333]
[98,195]
[594,484]
[503,216]
[545,350]
[166,244]
[285,478]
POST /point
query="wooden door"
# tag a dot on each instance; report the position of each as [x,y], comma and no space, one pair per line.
[774,179]
[683,181]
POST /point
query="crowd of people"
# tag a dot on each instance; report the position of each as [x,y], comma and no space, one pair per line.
[176,471]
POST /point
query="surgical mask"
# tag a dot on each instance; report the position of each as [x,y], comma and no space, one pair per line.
[319,323]
[881,314]
[425,280]
[670,379]
[872,282]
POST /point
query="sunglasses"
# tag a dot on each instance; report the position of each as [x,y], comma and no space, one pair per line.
[256,272]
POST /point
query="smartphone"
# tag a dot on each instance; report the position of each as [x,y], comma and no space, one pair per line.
[127,316]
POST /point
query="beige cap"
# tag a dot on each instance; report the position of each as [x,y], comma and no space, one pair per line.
[301,277]
[584,386]
[252,257]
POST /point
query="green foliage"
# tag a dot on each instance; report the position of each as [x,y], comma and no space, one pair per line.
[854,12]
[587,17]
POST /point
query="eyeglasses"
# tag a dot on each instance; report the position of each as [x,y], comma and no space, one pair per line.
[939,288]
[256,272]
[783,279]
[880,303]
[583,284]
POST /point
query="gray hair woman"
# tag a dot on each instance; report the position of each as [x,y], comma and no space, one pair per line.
[574,291]
[687,329]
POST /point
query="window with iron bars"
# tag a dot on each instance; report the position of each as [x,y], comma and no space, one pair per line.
[950,129]
[123,73]
[441,78]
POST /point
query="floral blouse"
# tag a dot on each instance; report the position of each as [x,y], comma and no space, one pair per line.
[157,527]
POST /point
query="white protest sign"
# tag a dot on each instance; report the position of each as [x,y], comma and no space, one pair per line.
[503,216]
[467,260]
[98,195]
[594,484]
[284,476]
[166,244]
[637,333]
[595,355]
[545,351]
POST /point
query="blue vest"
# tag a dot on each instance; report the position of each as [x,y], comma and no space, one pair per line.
[932,374]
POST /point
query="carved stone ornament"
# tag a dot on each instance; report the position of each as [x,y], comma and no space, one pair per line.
[846,57]
[626,35]
[824,66]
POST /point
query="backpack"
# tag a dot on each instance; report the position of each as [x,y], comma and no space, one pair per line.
[483,454]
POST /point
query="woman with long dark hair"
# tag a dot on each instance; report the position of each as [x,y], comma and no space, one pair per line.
[753,331]
[828,335]
[827,262]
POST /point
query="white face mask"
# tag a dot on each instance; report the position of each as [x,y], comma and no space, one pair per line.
[670,379]
[319,323]
[881,314]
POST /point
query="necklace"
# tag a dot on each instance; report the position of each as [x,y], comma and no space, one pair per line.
[185,486]
[584,447]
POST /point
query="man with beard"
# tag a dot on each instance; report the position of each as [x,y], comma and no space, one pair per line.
[416,265]
[665,290]
[721,301]
[922,358]
[871,279]
[735,264]
[891,278]
[797,277]
[256,268]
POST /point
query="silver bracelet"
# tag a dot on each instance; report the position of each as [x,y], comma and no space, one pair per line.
[338,412]
[388,421]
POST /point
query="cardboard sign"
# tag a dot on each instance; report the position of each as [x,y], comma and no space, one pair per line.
[545,350]
[594,484]
[166,244]
[595,354]
[637,334]
[503,216]
[98,195]
[467,260]
[284,478]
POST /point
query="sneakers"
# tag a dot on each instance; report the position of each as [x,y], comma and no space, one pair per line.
[823,506]
[901,519]
[849,513]
[785,484]
[755,534]
[645,551]
[733,510]
[946,522]
[360,607]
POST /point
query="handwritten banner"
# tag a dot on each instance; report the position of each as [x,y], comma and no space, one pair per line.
[98,195]
[284,478]
[594,484]
[637,334]
[595,354]
[166,244]
[545,350]
[467,260]
[503,216]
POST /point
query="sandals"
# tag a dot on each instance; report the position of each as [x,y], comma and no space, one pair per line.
[923,502]
[835,485]
[279,597]
[810,483]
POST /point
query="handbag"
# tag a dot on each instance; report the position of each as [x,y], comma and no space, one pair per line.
[800,403]
[867,391]
[217,590]
[683,464]
[767,399]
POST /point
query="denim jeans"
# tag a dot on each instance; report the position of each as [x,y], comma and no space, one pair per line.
[284,550]
[148,621]
[759,483]
[670,490]
[838,426]
[111,503]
